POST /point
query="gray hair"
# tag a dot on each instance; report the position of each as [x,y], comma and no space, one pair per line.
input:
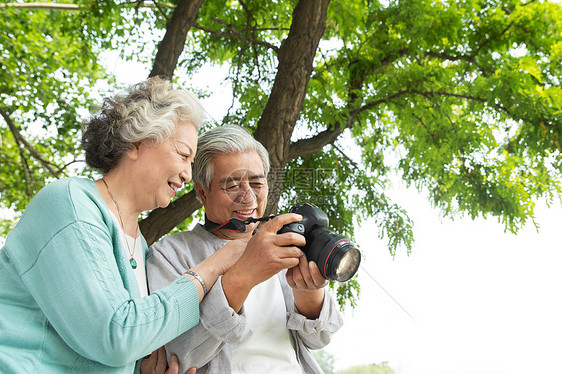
[148,111]
[226,139]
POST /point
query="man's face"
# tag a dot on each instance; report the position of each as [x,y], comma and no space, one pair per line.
[238,189]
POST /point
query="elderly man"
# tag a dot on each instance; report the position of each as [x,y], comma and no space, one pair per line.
[259,317]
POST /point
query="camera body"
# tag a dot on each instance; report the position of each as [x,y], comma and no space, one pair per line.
[312,217]
[336,256]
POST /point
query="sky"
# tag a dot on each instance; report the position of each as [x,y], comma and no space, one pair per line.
[477,300]
[469,299]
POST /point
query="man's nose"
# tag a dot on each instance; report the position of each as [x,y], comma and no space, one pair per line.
[245,194]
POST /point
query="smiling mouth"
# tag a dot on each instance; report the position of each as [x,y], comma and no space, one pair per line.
[245,213]
[174,186]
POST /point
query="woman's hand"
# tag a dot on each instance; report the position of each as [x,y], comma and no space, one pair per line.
[156,363]
[217,264]
[229,253]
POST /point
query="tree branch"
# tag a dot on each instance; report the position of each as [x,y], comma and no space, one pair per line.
[315,144]
[461,96]
[172,45]
[42,6]
[493,38]
[162,220]
[161,11]
[21,140]
[353,163]
[63,167]
[235,34]
[444,56]
[67,7]
[25,168]
[431,134]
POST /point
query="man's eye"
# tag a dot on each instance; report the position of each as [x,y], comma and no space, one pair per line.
[232,187]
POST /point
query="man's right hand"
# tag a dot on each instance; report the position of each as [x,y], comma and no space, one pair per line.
[266,254]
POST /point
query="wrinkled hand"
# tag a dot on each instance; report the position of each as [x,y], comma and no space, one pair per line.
[267,252]
[308,287]
[225,257]
[306,276]
[157,363]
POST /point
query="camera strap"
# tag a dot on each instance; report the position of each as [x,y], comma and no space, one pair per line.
[234,224]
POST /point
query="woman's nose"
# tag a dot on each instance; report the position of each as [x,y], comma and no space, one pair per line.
[185,174]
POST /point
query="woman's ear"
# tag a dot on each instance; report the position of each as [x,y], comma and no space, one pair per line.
[134,152]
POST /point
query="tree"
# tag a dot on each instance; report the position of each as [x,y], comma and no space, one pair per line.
[48,70]
[462,99]
[325,360]
[381,368]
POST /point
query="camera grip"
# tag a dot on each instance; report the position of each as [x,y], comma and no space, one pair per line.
[295,227]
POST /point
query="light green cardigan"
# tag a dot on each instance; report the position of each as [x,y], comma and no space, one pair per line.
[69,301]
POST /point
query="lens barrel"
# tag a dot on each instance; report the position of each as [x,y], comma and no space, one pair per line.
[336,256]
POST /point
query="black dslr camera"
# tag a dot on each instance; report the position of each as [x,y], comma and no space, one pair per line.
[336,256]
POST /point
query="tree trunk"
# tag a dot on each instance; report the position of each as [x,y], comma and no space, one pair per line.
[171,46]
[162,220]
[281,113]
[286,100]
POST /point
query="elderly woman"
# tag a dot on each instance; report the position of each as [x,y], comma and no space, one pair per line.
[73,293]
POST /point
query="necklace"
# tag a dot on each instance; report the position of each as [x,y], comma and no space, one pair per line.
[132,260]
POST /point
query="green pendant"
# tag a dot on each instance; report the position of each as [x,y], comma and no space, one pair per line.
[133,263]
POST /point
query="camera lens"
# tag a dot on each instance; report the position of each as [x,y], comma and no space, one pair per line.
[336,256]
[348,264]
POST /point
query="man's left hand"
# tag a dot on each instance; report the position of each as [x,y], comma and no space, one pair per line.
[306,276]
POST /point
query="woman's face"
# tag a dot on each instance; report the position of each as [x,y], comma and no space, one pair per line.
[164,167]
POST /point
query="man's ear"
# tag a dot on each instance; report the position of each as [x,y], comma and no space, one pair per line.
[201,191]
